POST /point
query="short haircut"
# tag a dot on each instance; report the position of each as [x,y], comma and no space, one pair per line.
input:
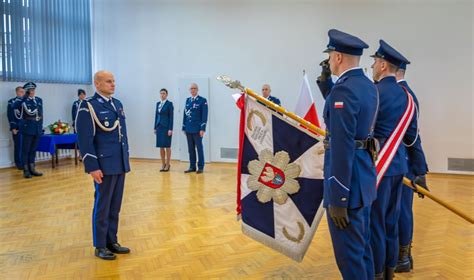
[80,91]
[18,88]
[392,67]
[165,90]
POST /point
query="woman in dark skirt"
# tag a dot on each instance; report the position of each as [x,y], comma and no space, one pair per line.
[164,128]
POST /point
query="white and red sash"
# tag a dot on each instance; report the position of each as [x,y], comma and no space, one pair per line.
[390,147]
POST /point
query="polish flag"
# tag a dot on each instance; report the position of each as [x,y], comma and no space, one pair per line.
[305,106]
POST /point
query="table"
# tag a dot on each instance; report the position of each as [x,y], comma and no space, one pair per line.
[50,143]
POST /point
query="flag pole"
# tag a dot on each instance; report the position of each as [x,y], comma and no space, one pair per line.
[443,203]
[310,126]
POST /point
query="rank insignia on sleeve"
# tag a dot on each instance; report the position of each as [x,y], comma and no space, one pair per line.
[338,105]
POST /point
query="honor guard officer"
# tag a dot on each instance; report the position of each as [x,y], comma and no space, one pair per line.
[81,95]
[14,121]
[416,165]
[194,125]
[102,137]
[394,113]
[349,171]
[31,127]
[266,90]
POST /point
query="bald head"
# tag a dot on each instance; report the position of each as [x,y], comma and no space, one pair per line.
[104,82]
[266,89]
[193,89]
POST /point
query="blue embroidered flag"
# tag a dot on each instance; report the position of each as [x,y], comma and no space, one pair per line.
[281,180]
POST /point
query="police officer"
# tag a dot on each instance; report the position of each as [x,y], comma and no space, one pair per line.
[102,137]
[31,127]
[81,95]
[14,121]
[266,92]
[349,172]
[416,165]
[386,208]
[194,125]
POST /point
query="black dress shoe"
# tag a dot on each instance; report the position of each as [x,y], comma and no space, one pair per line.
[26,173]
[200,171]
[190,170]
[105,254]
[33,171]
[20,168]
[117,249]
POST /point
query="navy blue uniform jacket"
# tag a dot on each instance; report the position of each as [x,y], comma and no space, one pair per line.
[107,151]
[349,111]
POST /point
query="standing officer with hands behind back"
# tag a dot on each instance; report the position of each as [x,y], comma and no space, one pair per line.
[194,126]
[102,137]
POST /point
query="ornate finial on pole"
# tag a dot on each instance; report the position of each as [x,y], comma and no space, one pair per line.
[230,83]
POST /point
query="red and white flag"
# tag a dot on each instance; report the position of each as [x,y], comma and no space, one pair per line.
[305,107]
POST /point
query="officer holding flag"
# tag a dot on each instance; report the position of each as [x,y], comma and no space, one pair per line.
[395,123]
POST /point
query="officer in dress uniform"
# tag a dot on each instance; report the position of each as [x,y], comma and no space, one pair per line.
[163,127]
[81,95]
[31,127]
[386,208]
[416,165]
[266,92]
[14,121]
[194,125]
[349,171]
[102,137]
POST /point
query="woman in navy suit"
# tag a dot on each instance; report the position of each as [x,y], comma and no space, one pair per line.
[164,128]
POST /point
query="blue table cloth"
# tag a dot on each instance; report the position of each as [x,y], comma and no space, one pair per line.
[50,142]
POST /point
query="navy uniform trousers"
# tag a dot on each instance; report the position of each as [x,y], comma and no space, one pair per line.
[384,222]
[28,148]
[17,143]
[405,223]
[348,239]
[195,143]
[107,203]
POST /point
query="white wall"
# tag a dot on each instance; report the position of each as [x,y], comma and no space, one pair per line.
[149,44]
[57,103]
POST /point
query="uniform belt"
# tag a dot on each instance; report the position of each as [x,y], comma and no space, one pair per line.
[359,144]
[32,118]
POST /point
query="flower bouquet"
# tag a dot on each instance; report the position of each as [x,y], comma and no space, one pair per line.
[59,127]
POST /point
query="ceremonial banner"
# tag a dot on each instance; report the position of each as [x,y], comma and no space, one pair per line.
[281,180]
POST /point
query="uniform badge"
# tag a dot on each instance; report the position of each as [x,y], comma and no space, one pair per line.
[100,100]
[338,105]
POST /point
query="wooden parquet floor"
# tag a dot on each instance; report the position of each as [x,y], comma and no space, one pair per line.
[183,226]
